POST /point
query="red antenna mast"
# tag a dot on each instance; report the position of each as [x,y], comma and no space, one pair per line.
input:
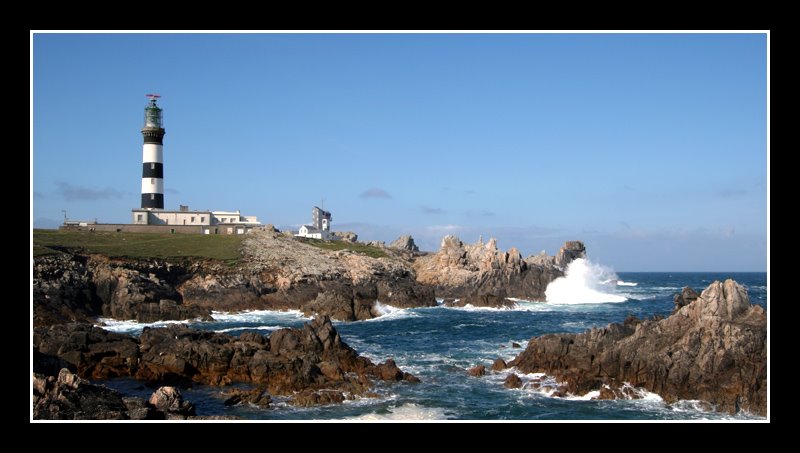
[153,96]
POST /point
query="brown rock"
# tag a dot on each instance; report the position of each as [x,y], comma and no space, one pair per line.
[513,381]
[712,349]
[477,371]
[499,364]
[481,275]
[257,396]
[685,297]
[170,401]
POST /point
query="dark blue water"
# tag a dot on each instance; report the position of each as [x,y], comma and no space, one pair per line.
[438,344]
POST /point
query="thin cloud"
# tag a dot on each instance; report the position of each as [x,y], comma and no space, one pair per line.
[80,193]
[440,228]
[432,211]
[375,193]
[732,193]
[480,213]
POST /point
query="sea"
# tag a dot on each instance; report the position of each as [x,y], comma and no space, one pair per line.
[438,345]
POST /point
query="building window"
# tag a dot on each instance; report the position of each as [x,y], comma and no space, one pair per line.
[192,219]
[152,196]
[152,166]
[138,217]
[202,219]
[152,180]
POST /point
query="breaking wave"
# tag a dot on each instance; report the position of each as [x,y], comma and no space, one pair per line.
[584,283]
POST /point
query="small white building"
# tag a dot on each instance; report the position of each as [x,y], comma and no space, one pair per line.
[212,222]
[320,227]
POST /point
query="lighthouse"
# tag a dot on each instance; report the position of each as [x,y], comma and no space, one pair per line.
[153,155]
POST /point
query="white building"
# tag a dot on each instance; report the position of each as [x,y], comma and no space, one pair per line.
[213,222]
[320,227]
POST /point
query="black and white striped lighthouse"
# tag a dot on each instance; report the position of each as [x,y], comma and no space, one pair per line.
[153,156]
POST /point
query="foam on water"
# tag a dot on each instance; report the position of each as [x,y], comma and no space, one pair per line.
[624,283]
[257,315]
[237,329]
[388,312]
[582,283]
[130,327]
[408,411]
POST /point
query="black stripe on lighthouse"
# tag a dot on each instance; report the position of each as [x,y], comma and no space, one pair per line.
[152,170]
[153,200]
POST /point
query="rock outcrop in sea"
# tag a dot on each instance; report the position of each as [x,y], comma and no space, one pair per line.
[311,365]
[66,396]
[481,275]
[713,348]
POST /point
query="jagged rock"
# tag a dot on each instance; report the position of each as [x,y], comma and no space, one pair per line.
[571,250]
[513,381]
[685,297]
[479,274]
[379,244]
[90,351]
[712,349]
[257,396]
[170,401]
[310,398]
[139,409]
[499,364]
[312,358]
[514,344]
[346,236]
[68,397]
[405,242]
[477,371]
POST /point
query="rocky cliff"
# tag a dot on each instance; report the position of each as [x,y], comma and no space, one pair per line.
[480,274]
[712,348]
[279,272]
[311,365]
[275,272]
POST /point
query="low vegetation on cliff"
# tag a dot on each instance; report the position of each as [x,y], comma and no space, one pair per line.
[138,245]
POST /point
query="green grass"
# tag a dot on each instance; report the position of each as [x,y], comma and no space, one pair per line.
[374,252]
[138,245]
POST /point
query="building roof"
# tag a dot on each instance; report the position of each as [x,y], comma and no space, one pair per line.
[311,229]
[162,211]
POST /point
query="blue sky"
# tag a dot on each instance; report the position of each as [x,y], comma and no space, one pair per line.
[650,148]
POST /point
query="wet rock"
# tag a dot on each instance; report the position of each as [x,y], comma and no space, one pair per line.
[311,398]
[712,349]
[477,371]
[290,361]
[512,381]
[257,396]
[499,364]
[68,397]
[170,401]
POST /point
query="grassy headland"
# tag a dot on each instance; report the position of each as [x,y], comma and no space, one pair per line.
[138,245]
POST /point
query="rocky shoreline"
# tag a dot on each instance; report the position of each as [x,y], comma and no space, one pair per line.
[279,273]
[713,348]
[310,365]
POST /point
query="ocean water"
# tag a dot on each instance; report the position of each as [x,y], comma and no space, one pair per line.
[438,345]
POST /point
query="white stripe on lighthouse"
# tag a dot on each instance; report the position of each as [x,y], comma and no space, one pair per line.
[152,185]
[152,152]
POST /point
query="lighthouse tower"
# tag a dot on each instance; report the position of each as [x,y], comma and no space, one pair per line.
[153,156]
